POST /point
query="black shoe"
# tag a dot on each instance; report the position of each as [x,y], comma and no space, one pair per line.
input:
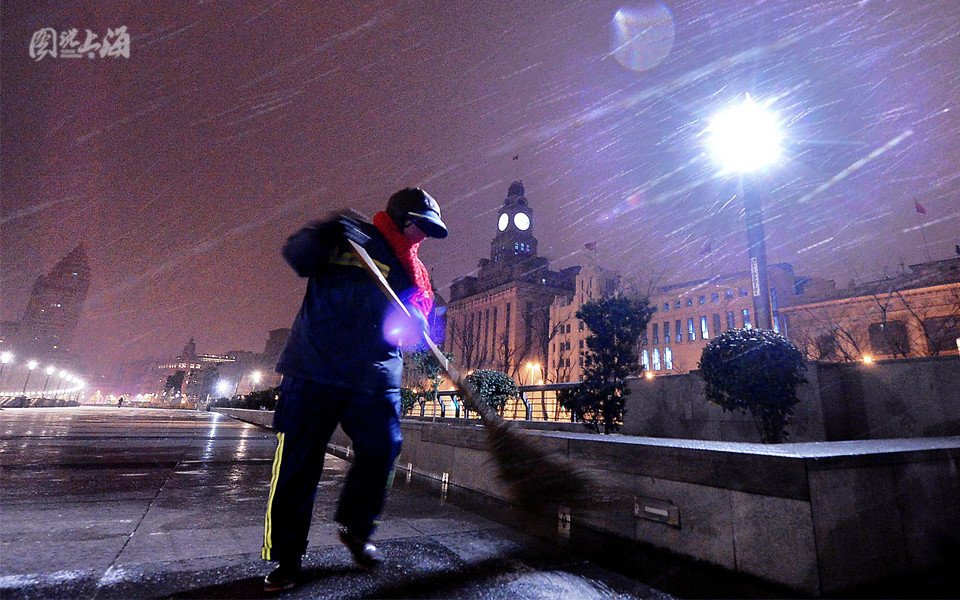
[284,577]
[364,553]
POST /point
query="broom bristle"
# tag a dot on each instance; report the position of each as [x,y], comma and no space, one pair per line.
[539,479]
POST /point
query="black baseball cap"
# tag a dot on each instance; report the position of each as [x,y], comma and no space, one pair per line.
[416,206]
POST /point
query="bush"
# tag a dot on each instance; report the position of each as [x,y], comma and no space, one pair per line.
[493,387]
[756,371]
[407,399]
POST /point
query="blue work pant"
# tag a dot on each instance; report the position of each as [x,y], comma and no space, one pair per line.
[306,416]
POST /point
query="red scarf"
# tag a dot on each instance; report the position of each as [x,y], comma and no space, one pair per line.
[406,253]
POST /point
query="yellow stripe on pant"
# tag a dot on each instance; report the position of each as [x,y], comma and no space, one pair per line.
[274,478]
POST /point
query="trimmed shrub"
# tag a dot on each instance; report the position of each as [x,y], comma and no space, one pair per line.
[493,387]
[756,371]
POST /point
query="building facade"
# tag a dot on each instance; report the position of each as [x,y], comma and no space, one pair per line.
[499,319]
[567,333]
[689,314]
[915,313]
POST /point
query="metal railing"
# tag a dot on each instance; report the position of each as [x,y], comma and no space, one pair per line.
[536,403]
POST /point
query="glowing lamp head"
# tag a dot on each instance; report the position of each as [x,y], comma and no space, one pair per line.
[648,375]
[63,374]
[867,359]
[256,376]
[223,387]
[32,365]
[51,370]
[6,357]
[744,138]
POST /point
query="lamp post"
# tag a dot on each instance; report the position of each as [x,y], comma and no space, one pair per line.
[50,371]
[63,375]
[4,359]
[743,139]
[30,367]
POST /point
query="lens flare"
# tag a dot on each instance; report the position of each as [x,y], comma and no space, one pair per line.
[642,36]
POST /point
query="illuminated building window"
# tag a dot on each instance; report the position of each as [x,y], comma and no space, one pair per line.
[731,320]
[668,358]
[656,359]
[745,313]
[689,301]
[691,330]
[704,331]
[645,360]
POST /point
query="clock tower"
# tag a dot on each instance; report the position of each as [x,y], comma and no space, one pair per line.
[514,240]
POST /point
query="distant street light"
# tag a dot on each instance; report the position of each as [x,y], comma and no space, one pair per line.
[63,375]
[744,139]
[5,357]
[50,371]
[223,387]
[30,367]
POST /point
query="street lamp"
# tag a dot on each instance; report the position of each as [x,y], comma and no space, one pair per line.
[30,367]
[744,139]
[50,371]
[5,357]
[63,375]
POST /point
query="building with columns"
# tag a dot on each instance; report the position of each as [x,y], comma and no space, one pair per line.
[500,318]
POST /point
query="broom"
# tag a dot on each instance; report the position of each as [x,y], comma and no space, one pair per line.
[537,478]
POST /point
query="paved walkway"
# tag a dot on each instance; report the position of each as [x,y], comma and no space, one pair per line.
[107,502]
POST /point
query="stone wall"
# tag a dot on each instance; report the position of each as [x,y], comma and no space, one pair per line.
[818,517]
[918,397]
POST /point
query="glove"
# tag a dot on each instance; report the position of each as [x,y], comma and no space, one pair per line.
[352,231]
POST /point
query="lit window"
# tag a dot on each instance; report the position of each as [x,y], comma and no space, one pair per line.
[746,318]
[668,358]
[645,360]
[656,359]
[691,330]
[731,320]
[689,301]
[704,331]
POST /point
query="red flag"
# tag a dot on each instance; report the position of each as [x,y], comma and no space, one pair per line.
[919,207]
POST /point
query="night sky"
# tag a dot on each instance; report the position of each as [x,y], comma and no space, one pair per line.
[185,167]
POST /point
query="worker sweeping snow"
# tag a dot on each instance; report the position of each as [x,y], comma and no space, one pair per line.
[342,365]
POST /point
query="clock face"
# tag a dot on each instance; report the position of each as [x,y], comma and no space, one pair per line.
[504,221]
[522,221]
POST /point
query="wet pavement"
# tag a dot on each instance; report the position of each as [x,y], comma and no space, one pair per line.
[110,503]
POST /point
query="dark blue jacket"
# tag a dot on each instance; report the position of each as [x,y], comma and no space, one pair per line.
[337,337]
